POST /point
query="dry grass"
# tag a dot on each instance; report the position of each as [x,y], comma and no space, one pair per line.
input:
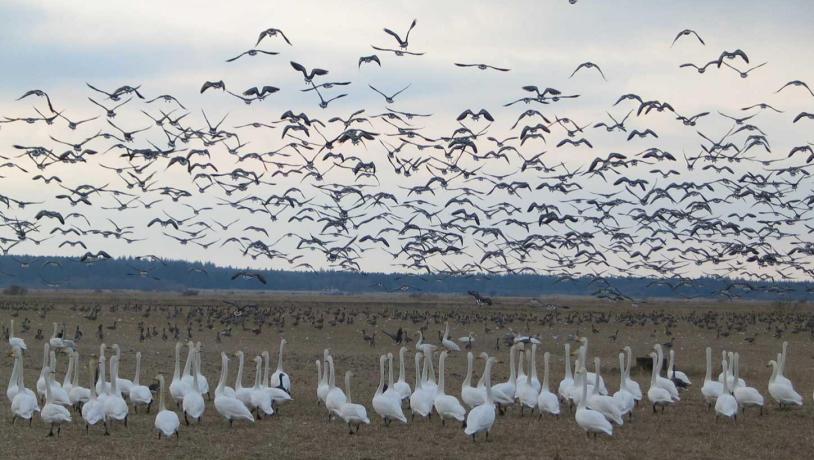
[301,429]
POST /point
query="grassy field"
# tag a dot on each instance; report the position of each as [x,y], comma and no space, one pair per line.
[313,322]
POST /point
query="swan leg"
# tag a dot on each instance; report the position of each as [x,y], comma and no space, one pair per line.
[230,423]
[350,429]
[107,433]
[159,433]
[186,420]
[125,421]
[149,405]
[13,418]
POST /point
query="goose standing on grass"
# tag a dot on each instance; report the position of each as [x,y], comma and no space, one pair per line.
[782,393]
[242,393]
[503,393]
[389,391]
[712,388]
[746,396]
[547,402]
[228,405]
[446,342]
[590,420]
[260,399]
[605,404]
[115,406]
[421,400]
[401,385]
[177,386]
[657,395]
[322,375]
[52,413]
[667,384]
[93,411]
[726,405]
[193,404]
[78,394]
[447,406]
[352,413]
[387,407]
[631,385]
[279,379]
[140,395]
[124,384]
[166,421]
[471,396]
[15,342]
[24,402]
[567,382]
[678,377]
[624,400]
[335,397]
[481,418]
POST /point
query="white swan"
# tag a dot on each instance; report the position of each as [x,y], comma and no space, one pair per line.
[123,384]
[447,406]
[58,395]
[712,388]
[115,406]
[470,395]
[322,376]
[590,420]
[726,405]
[186,376]
[583,358]
[193,403]
[746,396]
[662,382]
[520,378]
[166,421]
[177,386]
[350,412]
[387,407]
[203,383]
[79,395]
[782,393]
[547,402]
[567,382]
[52,413]
[526,393]
[67,381]
[605,404]
[631,385]
[401,385]
[260,399]
[59,343]
[228,406]
[102,385]
[421,400]
[335,397]
[41,381]
[390,391]
[93,411]
[276,394]
[279,379]
[725,366]
[140,395]
[481,418]
[242,393]
[673,374]
[624,399]
[657,395]
[535,381]
[24,402]
[503,393]
[446,342]
[15,342]
[428,376]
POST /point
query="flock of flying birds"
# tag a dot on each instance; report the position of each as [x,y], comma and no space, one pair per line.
[541,198]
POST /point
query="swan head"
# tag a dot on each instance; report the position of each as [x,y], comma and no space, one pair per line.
[283,342]
[483,356]
[258,359]
[265,354]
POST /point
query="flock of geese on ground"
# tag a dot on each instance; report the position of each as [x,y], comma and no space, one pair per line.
[506,191]
[107,401]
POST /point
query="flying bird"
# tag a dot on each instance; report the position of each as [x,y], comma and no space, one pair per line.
[687,33]
[271,33]
[482,66]
[389,99]
[588,65]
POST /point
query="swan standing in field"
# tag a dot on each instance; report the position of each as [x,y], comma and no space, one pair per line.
[140,395]
[583,358]
[712,388]
[726,367]
[78,395]
[564,390]
[401,385]
[123,384]
[15,342]
[203,383]
[547,402]
[388,408]
[177,386]
[277,395]
[428,376]
[481,418]
[24,402]
[115,406]
[781,376]
[447,406]
[260,399]
[746,396]
[782,393]
[726,405]
[448,343]
[58,343]
[624,399]
[421,400]
[470,395]
[535,381]
[193,403]
[590,420]
[52,413]
[166,421]
[503,393]
[93,410]
[322,375]
[242,393]
[390,391]
[674,375]
[657,395]
[42,380]
[631,385]
[526,393]
[186,376]
[58,395]
[662,382]
[228,405]
[350,412]
[335,397]
[279,379]
[604,404]
[102,385]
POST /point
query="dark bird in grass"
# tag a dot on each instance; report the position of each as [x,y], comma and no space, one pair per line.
[687,33]
[588,65]
[308,76]
[389,99]
[251,52]
[796,83]
[482,66]
[40,93]
[403,43]
[271,33]
[249,275]
[369,59]
[213,84]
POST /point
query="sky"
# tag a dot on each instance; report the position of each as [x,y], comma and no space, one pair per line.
[173,47]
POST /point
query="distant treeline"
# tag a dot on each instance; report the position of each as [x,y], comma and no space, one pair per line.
[36,272]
